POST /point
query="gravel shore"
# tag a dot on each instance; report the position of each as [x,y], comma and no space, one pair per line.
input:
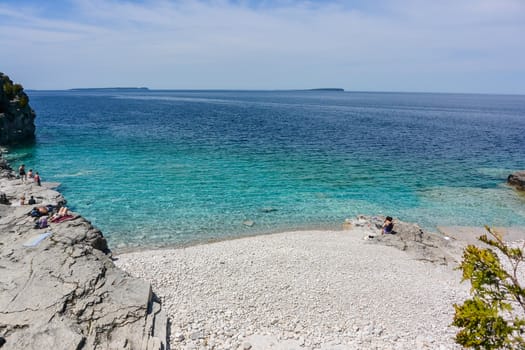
[301,290]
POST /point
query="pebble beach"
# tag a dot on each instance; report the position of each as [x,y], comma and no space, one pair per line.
[301,290]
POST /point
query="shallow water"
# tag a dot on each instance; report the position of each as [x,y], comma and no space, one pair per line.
[172,167]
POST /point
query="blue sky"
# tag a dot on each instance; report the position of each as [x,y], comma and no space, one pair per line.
[386,45]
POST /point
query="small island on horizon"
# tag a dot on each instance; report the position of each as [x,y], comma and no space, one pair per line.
[112,89]
[327,89]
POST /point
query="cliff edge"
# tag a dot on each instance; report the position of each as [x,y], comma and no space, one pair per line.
[17,118]
[59,288]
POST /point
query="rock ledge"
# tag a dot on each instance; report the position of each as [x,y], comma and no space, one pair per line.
[59,288]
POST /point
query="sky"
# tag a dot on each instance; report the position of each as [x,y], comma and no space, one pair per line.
[466,46]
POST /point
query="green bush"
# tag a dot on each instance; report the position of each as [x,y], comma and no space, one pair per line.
[494,318]
[8,89]
[17,88]
[23,101]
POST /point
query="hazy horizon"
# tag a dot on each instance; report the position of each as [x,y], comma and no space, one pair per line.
[141,88]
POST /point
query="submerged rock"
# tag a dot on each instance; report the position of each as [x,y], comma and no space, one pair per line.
[60,288]
[517,180]
[248,223]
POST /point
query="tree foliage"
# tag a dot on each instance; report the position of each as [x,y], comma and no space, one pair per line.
[13,91]
[23,101]
[494,317]
[17,88]
[8,89]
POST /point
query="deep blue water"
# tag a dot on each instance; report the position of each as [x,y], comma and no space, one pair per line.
[172,167]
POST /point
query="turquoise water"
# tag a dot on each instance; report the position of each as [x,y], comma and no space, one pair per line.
[174,167]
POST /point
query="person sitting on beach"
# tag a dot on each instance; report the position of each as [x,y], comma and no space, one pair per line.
[41,222]
[3,198]
[30,173]
[31,201]
[388,225]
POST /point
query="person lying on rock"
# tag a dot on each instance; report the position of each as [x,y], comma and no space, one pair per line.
[43,210]
[40,211]
[63,211]
[388,225]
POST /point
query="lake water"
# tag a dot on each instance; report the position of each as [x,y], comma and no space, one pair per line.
[153,168]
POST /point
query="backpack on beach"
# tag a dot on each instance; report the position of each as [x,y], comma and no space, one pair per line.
[41,223]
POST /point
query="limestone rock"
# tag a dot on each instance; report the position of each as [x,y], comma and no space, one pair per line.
[420,244]
[16,116]
[64,292]
[517,180]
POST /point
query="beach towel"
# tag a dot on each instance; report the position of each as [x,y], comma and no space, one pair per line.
[62,218]
[33,242]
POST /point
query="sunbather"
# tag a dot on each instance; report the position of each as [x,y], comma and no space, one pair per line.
[40,211]
[62,212]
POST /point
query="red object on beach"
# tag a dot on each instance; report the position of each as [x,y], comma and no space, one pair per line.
[62,218]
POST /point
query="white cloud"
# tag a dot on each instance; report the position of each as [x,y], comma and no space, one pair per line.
[217,44]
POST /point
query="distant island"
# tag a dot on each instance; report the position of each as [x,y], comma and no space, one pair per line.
[120,89]
[326,89]
[143,89]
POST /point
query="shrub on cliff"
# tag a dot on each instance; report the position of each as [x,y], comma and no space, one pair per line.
[23,101]
[8,89]
[12,90]
[17,88]
[494,318]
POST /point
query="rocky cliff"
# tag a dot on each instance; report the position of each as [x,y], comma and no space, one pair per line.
[59,288]
[17,119]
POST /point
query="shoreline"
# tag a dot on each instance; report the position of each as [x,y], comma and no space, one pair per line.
[461,233]
[127,250]
[303,290]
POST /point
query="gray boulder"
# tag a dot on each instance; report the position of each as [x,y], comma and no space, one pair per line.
[517,180]
[418,243]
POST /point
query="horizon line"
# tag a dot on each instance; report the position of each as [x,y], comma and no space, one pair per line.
[341,90]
